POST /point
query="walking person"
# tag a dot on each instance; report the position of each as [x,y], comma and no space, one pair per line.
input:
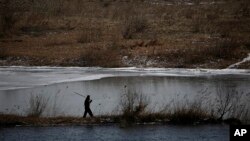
[87,107]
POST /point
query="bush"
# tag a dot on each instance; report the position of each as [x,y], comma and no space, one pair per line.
[90,35]
[37,105]
[7,18]
[11,12]
[183,110]
[3,53]
[100,57]
[133,104]
[189,113]
[229,103]
[224,49]
[133,26]
[105,3]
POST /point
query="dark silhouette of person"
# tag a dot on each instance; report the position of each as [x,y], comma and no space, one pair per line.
[87,107]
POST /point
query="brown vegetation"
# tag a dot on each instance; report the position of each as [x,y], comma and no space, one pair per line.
[207,34]
[37,105]
[226,107]
[14,120]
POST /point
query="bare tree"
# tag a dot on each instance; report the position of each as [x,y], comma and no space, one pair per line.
[229,103]
[37,105]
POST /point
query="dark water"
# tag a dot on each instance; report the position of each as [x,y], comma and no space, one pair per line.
[115,133]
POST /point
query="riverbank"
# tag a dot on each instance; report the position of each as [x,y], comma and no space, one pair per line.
[15,120]
[169,34]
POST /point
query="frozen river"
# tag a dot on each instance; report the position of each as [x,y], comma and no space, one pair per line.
[60,87]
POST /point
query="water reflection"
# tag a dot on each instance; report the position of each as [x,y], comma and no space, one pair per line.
[114,133]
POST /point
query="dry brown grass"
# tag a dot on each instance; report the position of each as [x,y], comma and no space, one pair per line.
[13,120]
[90,35]
[67,31]
[100,57]
[189,113]
[3,53]
[133,26]
[133,107]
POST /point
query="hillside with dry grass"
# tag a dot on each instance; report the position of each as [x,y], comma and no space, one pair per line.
[121,33]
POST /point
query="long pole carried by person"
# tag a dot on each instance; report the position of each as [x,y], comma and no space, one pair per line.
[79,94]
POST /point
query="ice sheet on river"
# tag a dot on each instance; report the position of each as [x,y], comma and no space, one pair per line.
[17,77]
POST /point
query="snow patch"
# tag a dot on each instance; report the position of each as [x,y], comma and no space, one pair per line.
[237,64]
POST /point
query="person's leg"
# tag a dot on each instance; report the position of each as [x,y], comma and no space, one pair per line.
[90,112]
[85,113]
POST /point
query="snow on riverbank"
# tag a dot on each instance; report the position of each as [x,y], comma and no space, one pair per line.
[241,62]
